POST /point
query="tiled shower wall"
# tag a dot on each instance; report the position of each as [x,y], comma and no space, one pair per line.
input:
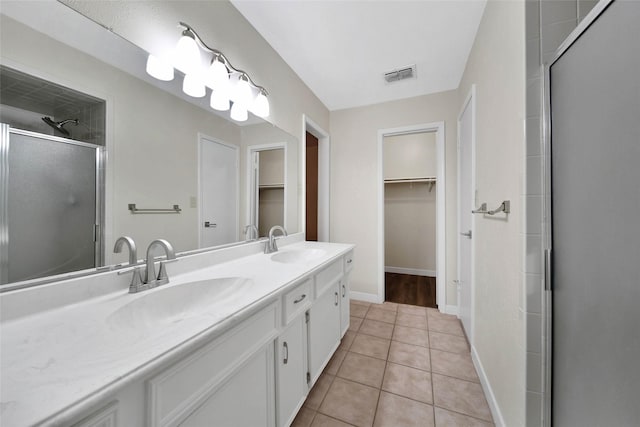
[548,23]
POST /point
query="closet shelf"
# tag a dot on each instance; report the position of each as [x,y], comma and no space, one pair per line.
[271,186]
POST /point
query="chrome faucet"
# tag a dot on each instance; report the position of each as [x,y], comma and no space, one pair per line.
[150,278]
[136,280]
[249,231]
[270,245]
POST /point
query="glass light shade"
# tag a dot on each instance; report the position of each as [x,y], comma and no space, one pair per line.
[193,86]
[218,75]
[261,106]
[159,69]
[219,100]
[242,94]
[239,113]
[187,55]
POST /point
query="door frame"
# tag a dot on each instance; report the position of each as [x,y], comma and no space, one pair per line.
[324,171]
[201,137]
[441,274]
[251,150]
[470,101]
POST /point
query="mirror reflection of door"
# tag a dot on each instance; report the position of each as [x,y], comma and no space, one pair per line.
[268,189]
[219,165]
[311,228]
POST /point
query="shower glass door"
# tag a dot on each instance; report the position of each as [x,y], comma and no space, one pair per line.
[49,212]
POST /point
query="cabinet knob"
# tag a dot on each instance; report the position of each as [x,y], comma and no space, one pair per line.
[286,353]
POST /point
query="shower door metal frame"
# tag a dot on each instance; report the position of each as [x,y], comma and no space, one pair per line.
[100,156]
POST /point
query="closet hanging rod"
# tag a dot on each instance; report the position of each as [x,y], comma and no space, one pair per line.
[401,180]
[135,210]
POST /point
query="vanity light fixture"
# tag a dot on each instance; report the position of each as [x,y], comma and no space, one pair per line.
[160,69]
[228,84]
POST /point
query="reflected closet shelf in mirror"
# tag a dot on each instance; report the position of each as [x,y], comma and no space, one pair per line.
[427,180]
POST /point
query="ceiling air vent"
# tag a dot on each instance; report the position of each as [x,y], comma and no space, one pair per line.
[400,74]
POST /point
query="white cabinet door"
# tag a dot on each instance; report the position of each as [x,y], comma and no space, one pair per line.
[324,329]
[291,370]
[344,305]
[245,399]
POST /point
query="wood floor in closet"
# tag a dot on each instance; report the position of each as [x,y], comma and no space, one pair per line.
[409,289]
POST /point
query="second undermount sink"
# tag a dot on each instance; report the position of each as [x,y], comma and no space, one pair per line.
[298,255]
[172,304]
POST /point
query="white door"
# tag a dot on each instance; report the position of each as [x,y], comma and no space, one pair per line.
[465,217]
[218,193]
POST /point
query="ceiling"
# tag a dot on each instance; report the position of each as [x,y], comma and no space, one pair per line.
[341,49]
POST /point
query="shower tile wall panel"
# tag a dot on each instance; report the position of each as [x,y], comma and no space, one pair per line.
[548,23]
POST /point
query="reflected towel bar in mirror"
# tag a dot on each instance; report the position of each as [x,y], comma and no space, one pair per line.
[505,207]
[135,210]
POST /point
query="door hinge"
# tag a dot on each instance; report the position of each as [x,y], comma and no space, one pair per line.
[306,317]
[548,270]
[308,378]
[96,232]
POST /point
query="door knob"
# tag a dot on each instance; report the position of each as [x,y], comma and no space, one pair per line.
[208,224]
[467,234]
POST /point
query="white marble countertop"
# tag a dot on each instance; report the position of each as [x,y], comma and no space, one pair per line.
[55,364]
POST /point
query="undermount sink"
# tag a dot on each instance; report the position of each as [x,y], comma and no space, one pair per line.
[298,255]
[172,304]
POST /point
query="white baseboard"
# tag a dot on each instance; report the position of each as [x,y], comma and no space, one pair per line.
[412,271]
[488,391]
[367,297]
[451,309]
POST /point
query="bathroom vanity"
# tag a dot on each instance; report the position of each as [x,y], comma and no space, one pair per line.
[237,338]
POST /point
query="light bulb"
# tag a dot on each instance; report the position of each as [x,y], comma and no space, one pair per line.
[193,86]
[219,100]
[187,56]
[239,113]
[261,105]
[159,69]
[243,94]
[218,75]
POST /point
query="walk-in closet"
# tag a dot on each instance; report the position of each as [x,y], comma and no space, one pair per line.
[410,218]
[271,190]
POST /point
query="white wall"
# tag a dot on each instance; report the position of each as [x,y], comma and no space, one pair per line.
[497,66]
[354,178]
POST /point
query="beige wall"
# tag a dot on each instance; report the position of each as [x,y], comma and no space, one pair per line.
[410,156]
[354,178]
[272,167]
[497,66]
[410,226]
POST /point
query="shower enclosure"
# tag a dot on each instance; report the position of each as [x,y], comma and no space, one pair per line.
[51,194]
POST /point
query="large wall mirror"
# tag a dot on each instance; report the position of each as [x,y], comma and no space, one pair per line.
[151,145]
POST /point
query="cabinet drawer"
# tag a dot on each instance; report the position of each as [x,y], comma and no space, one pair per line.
[348,262]
[328,277]
[176,393]
[297,300]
